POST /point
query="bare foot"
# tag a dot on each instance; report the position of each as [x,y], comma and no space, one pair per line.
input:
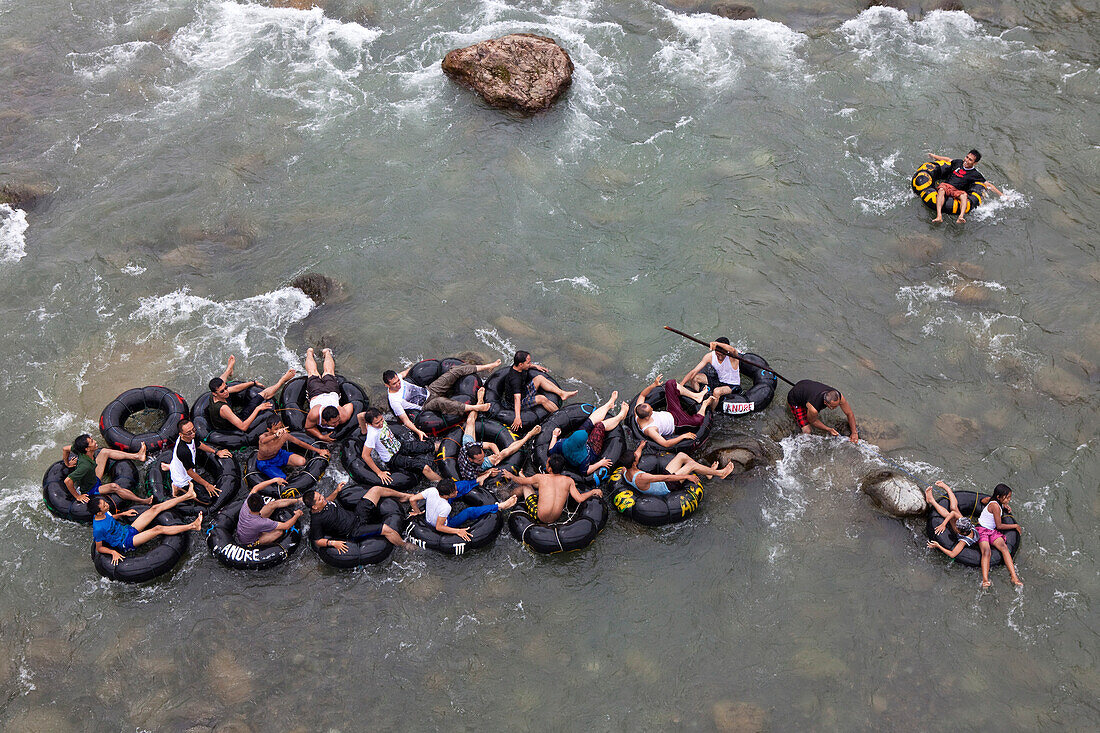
[327,351]
[164,466]
[309,351]
[567,395]
[535,430]
[508,503]
[481,407]
[614,397]
[481,395]
[986,584]
[147,501]
[938,220]
[190,494]
[141,453]
[960,220]
[286,377]
[725,472]
[494,364]
[229,366]
[197,524]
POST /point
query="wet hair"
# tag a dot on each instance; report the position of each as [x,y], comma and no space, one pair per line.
[446,487]
[371,413]
[976,154]
[832,396]
[963,526]
[272,422]
[520,357]
[80,445]
[472,448]
[388,375]
[1000,491]
[643,410]
[215,384]
[555,463]
[330,413]
[309,497]
[255,502]
[99,503]
[723,340]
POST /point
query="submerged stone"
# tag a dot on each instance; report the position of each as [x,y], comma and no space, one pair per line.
[738,717]
[519,71]
[24,195]
[320,288]
[733,11]
[894,494]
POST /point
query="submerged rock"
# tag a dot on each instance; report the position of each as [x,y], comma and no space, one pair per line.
[23,195]
[894,494]
[945,5]
[733,11]
[745,452]
[958,428]
[320,288]
[738,717]
[518,71]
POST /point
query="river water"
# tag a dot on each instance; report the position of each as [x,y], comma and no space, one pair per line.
[740,177]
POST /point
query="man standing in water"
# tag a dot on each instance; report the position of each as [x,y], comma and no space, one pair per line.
[962,177]
[808,398]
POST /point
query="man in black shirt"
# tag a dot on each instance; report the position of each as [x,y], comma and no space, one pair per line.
[807,398]
[961,178]
[331,524]
[522,384]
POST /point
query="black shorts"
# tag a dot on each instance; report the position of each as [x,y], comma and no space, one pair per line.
[321,385]
[714,382]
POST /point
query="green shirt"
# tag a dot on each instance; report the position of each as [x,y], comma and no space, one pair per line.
[83,476]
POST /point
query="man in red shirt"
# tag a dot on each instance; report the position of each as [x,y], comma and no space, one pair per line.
[962,177]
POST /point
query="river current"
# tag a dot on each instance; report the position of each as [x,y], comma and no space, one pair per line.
[747,178]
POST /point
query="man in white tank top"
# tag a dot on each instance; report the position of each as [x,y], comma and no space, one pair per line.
[660,425]
[724,375]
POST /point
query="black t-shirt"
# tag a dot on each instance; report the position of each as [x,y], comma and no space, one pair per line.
[336,522]
[809,391]
[183,454]
[214,417]
[515,383]
[962,178]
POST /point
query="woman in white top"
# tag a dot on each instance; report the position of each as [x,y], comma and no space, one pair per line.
[990,528]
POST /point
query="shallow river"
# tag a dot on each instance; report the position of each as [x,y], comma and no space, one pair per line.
[748,178]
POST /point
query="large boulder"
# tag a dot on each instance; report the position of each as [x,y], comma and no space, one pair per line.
[745,452]
[24,195]
[895,494]
[518,71]
[733,11]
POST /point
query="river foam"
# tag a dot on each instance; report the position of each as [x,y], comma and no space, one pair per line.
[13,229]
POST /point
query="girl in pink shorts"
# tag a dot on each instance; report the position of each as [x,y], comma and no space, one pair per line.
[990,532]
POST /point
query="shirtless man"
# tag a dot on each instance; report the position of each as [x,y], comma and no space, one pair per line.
[85,480]
[724,375]
[218,412]
[808,398]
[660,425]
[962,177]
[405,396]
[271,455]
[323,391]
[545,494]
[182,466]
[521,389]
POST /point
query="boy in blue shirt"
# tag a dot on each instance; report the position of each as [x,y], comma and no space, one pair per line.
[111,535]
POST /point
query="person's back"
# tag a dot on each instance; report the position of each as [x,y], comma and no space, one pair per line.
[250,525]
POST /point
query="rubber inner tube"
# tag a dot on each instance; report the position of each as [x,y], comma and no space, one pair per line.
[486,431]
[151,560]
[427,371]
[224,473]
[368,550]
[569,419]
[351,455]
[242,403]
[222,541]
[483,530]
[656,400]
[297,479]
[113,419]
[971,507]
[62,504]
[928,176]
[502,407]
[578,528]
[760,394]
[294,406]
[680,503]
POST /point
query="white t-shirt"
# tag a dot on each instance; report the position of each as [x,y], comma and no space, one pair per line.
[664,422]
[725,371]
[435,506]
[409,397]
[383,442]
[183,458]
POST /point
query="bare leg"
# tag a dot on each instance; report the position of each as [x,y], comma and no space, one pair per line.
[615,420]
[696,396]
[544,402]
[161,529]
[682,464]
[487,367]
[601,412]
[984,547]
[939,206]
[311,363]
[377,493]
[228,373]
[395,538]
[430,474]
[964,204]
[110,454]
[146,517]
[126,494]
[269,537]
[471,424]
[296,460]
[541,382]
[330,363]
[1000,545]
[273,390]
[707,404]
[518,445]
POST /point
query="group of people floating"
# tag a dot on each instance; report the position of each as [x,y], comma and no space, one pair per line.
[461,428]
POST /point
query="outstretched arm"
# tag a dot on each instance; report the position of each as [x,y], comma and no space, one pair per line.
[649,388]
[851,419]
[578,496]
[939,158]
[990,186]
[695,370]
